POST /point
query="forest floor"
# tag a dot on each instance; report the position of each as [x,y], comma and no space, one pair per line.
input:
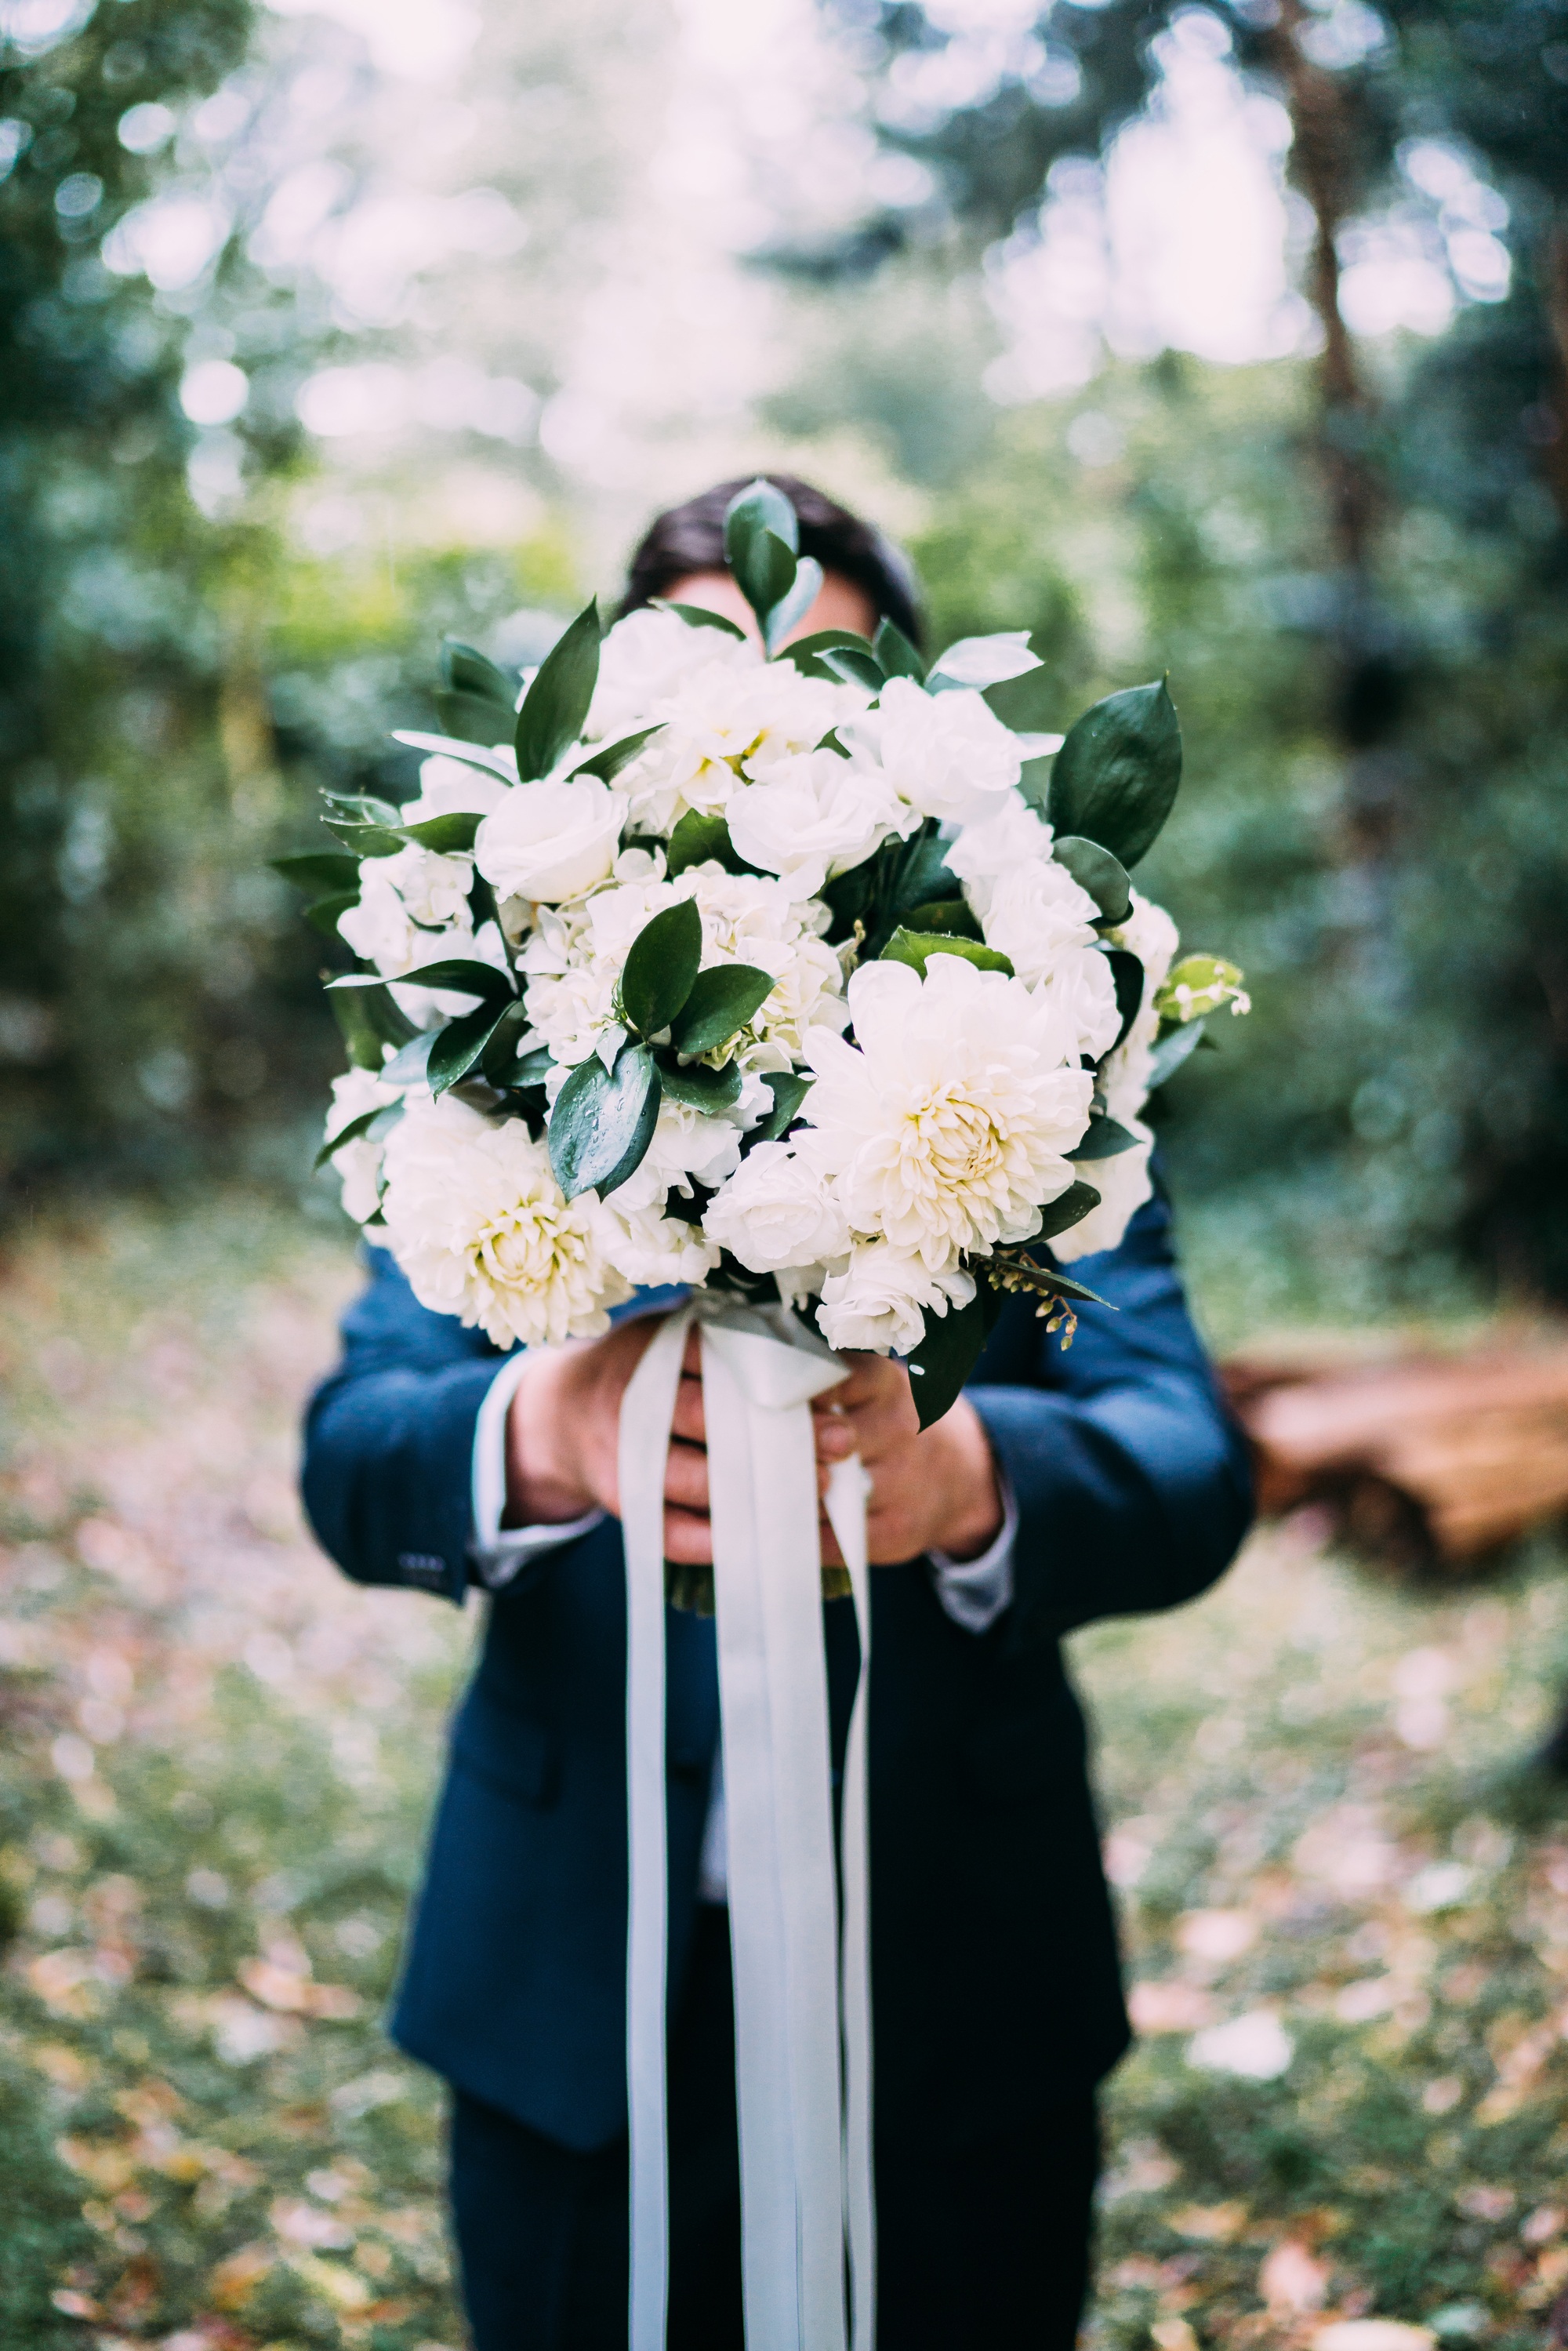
[1344,1891]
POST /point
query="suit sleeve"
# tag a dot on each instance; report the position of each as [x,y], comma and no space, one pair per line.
[1133,1484]
[388,1440]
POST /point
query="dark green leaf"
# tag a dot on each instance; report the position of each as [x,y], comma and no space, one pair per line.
[369,1018]
[465,671]
[806,653]
[914,947]
[474,718]
[607,762]
[406,1067]
[1104,1139]
[759,506]
[325,915]
[944,1358]
[1127,977]
[365,840]
[459,1046]
[603,1122]
[696,840]
[368,807]
[697,616]
[923,873]
[1172,1050]
[350,1134]
[448,836]
[462,975]
[723,999]
[498,1060]
[854,668]
[661,967]
[897,655]
[556,703]
[319,869]
[1095,868]
[1064,1284]
[482,907]
[794,605]
[697,1084]
[1028,705]
[954,917]
[765,573]
[1034,783]
[788,1090]
[1069,1208]
[1115,778]
[534,1068]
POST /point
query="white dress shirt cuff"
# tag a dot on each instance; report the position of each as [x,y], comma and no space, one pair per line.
[974,1591]
[499,1552]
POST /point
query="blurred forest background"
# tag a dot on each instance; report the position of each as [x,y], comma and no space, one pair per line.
[1230,340]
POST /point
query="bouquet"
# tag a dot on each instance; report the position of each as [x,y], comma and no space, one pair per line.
[801,970]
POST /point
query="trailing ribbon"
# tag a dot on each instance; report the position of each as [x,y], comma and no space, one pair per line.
[803,1988]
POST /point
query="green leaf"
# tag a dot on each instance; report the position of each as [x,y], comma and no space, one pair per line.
[556,703]
[697,616]
[465,671]
[697,1084]
[407,1066]
[462,975]
[367,1119]
[318,868]
[661,967]
[854,668]
[914,947]
[760,506]
[953,917]
[723,999]
[944,1358]
[923,873]
[1104,1139]
[696,840]
[765,573]
[459,1047]
[1064,1284]
[1034,783]
[498,1060]
[788,1090]
[1095,868]
[325,915]
[365,840]
[448,836]
[1173,1049]
[898,657]
[794,605]
[1115,778]
[806,653]
[1028,705]
[607,762]
[1127,976]
[761,544]
[603,1122]
[1068,1209]
[472,755]
[367,808]
[474,718]
[368,1019]
[534,1067]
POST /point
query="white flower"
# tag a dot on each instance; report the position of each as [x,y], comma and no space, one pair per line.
[777,1212]
[1081,990]
[688,1146]
[948,754]
[813,815]
[1256,2046]
[551,842]
[644,658]
[722,724]
[434,889]
[948,1128]
[358,1164]
[1123,1183]
[453,788]
[1153,937]
[478,1223]
[1008,835]
[878,1301]
[651,1248]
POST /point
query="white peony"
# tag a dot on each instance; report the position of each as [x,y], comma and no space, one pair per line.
[878,1300]
[358,1164]
[948,754]
[813,815]
[777,1212]
[453,788]
[478,1223]
[551,842]
[647,657]
[948,1128]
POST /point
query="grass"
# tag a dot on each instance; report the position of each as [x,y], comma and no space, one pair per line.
[1346,1899]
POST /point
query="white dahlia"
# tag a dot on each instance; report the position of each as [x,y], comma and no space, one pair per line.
[479,1225]
[948,1128]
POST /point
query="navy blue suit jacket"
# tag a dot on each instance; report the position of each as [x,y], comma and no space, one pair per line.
[995,1981]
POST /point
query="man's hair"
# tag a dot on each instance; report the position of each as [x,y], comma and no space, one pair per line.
[690,538]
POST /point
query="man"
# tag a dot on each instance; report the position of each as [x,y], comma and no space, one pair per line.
[1060,1488]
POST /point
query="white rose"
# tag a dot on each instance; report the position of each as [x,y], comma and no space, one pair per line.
[777,1212]
[651,1248]
[1006,836]
[378,928]
[878,1301]
[358,1164]
[1123,1183]
[551,842]
[814,814]
[1036,913]
[1153,937]
[948,754]
[1080,990]
[452,787]
[478,1223]
[946,1127]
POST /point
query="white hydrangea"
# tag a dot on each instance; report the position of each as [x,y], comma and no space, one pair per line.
[878,1300]
[946,1128]
[948,754]
[778,1212]
[722,724]
[359,1163]
[814,815]
[479,1225]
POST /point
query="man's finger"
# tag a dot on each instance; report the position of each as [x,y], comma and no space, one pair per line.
[689,1421]
[688,1539]
[685,1477]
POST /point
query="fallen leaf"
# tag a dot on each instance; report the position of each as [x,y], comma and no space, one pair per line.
[233,2281]
[282,1989]
[1255,2047]
[1219,1936]
[1215,2224]
[1293,2279]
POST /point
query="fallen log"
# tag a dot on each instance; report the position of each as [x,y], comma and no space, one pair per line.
[1429,1459]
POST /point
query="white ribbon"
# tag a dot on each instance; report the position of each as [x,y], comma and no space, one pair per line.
[802,1997]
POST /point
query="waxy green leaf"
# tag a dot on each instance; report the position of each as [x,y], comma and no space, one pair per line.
[1068,1209]
[556,704]
[1173,1049]
[607,762]
[806,653]
[459,1047]
[722,1000]
[697,616]
[1095,868]
[464,670]
[328,913]
[1115,778]
[788,1089]
[915,948]
[661,967]
[854,666]
[603,1122]
[318,868]
[792,607]
[1127,976]
[953,917]
[697,1085]
[462,975]
[898,657]
[473,717]
[699,839]
[944,1358]
[448,836]
[1105,1139]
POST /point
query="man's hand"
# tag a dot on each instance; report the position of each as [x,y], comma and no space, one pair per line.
[932,1489]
